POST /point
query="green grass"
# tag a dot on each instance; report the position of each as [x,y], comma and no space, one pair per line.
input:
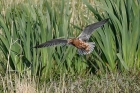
[120,41]
[24,24]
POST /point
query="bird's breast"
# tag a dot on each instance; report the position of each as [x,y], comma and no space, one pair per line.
[80,44]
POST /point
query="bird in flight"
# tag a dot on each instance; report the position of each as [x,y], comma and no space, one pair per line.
[81,42]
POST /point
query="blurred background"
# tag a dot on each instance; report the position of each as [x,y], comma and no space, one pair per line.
[112,67]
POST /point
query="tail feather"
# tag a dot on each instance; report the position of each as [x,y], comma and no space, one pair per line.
[84,52]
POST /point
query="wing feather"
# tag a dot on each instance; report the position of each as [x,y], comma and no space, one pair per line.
[52,43]
[84,52]
[86,33]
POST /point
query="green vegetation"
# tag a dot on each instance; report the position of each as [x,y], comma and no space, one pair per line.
[112,67]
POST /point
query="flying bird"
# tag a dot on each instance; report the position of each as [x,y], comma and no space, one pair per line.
[81,42]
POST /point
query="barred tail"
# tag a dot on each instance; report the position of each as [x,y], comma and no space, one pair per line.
[84,52]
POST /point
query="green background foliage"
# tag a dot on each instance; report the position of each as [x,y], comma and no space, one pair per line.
[24,25]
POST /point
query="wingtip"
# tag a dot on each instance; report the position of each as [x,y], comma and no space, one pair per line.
[104,21]
[107,19]
[37,46]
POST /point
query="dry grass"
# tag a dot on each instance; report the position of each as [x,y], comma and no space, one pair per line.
[109,83]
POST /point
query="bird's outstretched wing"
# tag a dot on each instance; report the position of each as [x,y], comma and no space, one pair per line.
[52,43]
[86,33]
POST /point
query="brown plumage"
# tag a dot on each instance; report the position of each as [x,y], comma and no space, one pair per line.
[81,42]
